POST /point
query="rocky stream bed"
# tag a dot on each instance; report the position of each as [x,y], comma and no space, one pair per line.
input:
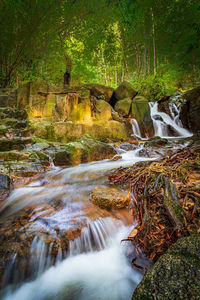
[95,185]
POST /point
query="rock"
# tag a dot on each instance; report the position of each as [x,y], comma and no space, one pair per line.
[8,97]
[141,112]
[82,151]
[13,113]
[156,142]
[127,147]
[33,96]
[109,198]
[176,274]
[103,110]
[190,110]
[99,91]
[6,185]
[124,90]
[69,131]
[14,144]
[163,105]
[123,107]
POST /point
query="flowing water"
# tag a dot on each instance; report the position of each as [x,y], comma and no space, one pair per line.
[94,266]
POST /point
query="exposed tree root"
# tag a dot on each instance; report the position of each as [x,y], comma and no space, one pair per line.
[165,199]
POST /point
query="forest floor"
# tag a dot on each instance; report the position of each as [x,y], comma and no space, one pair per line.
[165,199]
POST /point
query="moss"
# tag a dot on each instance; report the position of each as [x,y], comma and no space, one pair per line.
[175,275]
[123,106]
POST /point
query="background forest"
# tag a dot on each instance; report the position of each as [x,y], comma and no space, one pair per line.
[149,43]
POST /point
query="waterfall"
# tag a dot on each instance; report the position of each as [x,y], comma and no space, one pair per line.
[136,129]
[163,123]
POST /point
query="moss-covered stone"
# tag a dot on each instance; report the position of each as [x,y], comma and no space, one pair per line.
[99,91]
[124,90]
[176,274]
[123,106]
[141,112]
[82,151]
[103,110]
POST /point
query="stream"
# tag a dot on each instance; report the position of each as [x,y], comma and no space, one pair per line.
[95,266]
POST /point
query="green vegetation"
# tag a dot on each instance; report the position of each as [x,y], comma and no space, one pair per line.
[154,44]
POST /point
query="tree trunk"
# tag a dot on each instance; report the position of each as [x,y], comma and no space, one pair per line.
[154,43]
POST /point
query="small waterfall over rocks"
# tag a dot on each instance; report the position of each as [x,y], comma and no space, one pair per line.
[165,124]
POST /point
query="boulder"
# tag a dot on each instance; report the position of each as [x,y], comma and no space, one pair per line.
[123,107]
[69,131]
[190,110]
[82,151]
[103,110]
[163,105]
[141,112]
[124,90]
[6,185]
[99,91]
[8,97]
[33,96]
[176,274]
[109,198]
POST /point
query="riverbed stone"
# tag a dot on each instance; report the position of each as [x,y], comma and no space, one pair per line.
[176,274]
[109,198]
[83,151]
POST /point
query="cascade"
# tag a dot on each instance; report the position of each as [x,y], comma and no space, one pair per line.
[163,122]
[136,129]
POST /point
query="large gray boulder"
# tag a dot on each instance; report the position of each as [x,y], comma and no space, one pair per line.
[190,110]
[124,90]
[176,275]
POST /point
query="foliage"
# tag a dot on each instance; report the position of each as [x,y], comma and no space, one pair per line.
[108,41]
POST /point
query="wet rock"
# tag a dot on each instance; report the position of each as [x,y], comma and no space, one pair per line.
[14,144]
[156,142]
[141,112]
[176,274]
[124,90]
[6,185]
[82,151]
[127,147]
[123,106]
[109,198]
[163,105]
[99,91]
[190,110]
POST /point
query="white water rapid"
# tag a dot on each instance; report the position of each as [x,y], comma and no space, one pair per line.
[95,266]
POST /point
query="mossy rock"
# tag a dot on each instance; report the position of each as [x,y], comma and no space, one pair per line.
[103,110]
[83,151]
[13,113]
[123,106]
[156,142]
[100,92]
[124,90]
[176,274]
[140,111]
